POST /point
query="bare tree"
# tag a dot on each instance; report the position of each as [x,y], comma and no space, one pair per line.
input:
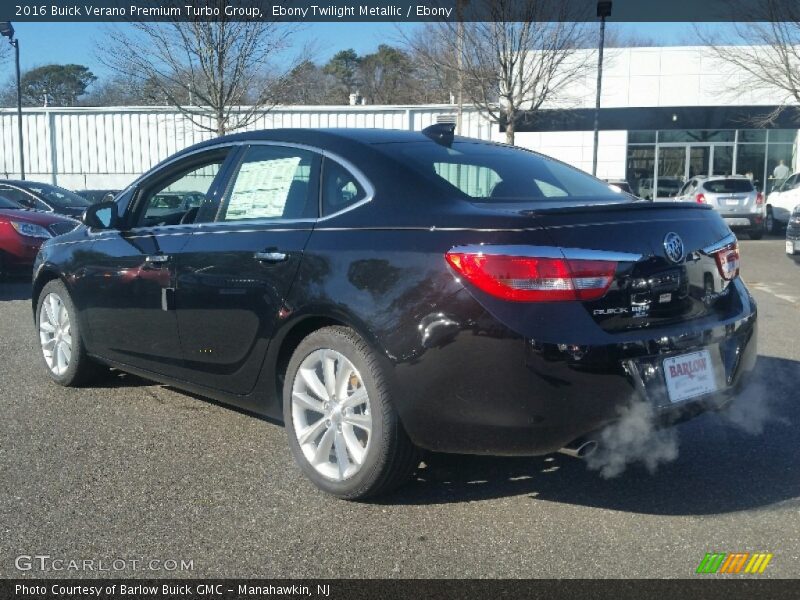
[764,53]
[226,70]
[522,55]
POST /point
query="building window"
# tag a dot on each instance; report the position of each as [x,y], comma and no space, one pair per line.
[657,161]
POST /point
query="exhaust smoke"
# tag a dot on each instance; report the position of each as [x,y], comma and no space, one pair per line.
[633,439]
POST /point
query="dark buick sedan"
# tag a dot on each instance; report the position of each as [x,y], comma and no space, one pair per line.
[382,292]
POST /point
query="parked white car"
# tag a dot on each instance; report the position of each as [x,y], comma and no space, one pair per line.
[781,202]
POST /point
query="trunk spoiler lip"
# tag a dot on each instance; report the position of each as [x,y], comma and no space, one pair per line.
[547,252]
[612,206]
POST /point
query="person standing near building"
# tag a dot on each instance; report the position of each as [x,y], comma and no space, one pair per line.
[781,172]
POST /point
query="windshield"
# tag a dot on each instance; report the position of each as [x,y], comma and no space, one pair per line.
[728,186]
[6,203]
[58,196]
[497,174]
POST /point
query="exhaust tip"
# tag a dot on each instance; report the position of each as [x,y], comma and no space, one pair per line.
[580,448]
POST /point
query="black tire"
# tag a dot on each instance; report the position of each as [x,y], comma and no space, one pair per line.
[770,226]
[391,458]
[756,234]
[81,369]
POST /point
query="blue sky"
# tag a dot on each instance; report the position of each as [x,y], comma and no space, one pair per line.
[45,43]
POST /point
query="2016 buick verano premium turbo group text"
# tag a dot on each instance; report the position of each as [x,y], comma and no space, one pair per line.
[382,292]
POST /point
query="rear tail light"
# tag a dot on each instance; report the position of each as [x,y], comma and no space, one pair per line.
[759,199]
[700,198]
[533,279]
[728,261]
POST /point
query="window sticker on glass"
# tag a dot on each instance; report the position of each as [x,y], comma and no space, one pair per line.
[262,188]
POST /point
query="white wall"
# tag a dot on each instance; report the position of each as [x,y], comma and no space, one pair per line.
[81,148]
[671,76]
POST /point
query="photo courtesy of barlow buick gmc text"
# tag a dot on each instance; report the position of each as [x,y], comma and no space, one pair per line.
[453,299]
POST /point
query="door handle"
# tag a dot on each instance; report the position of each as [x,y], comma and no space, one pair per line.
[273,256]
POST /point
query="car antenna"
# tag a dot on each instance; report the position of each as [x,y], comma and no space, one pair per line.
[441,133]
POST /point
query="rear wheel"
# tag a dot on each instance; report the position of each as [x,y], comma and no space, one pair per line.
[343,430]
[757,233]
[60,338]
[769,222]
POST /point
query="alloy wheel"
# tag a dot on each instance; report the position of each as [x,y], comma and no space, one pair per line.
[331,414]
[55,334]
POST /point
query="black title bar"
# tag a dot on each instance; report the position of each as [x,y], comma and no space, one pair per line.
[704,587]
[397,10]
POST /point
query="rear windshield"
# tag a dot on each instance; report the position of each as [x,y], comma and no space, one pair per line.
[497,174]
[728,186]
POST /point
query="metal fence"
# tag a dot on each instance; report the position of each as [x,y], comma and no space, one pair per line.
[81,148]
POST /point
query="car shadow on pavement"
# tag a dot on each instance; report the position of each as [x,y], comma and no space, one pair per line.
[720,467]
[15,288]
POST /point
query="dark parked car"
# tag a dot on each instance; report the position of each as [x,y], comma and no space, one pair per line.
[22,232]
[793,233]
[95,196]
[383,291]
[44,197]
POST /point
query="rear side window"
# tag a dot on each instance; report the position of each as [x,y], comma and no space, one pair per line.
[274,182]
[728,186]
[340,188]
[488,173]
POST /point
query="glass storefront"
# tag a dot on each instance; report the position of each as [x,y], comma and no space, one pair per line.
[659,162]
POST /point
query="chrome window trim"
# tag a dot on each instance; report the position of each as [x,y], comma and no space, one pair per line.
[719,245]
[548,252]
[362,179]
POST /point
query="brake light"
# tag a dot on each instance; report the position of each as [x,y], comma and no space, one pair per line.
[534,279]
[728,261]
[700,198]
[759,199]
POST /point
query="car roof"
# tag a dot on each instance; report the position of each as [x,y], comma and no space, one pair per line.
[327,138]
[718,177]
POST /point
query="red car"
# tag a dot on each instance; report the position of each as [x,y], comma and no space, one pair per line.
[22,231]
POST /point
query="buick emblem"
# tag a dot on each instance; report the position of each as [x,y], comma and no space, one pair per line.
[673,247]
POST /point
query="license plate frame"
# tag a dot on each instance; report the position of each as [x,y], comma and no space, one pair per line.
[689,376]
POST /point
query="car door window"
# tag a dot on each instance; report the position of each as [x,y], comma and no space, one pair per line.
[340,188]
[176,198]
[23,198]
[275,183]
[789,183]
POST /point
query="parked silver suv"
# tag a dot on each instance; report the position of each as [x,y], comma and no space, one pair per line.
[734,196]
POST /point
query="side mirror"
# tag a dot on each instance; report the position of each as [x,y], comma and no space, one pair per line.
[102,215]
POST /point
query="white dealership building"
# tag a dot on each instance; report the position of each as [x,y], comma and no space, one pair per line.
[668,113]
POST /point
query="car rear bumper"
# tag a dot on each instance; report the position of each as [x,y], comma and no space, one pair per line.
[488,391]
[743,220]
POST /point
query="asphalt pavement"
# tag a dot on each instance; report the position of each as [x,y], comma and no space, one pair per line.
[136,472]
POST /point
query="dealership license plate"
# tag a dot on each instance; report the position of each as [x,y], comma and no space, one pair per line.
[729,202]
[689,375]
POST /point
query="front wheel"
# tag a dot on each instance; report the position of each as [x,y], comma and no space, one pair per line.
[343,430]
[60,338]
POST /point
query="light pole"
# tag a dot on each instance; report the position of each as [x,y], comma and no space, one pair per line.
[603,11]
[7,30]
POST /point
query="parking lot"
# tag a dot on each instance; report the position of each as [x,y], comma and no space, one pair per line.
[136,471]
